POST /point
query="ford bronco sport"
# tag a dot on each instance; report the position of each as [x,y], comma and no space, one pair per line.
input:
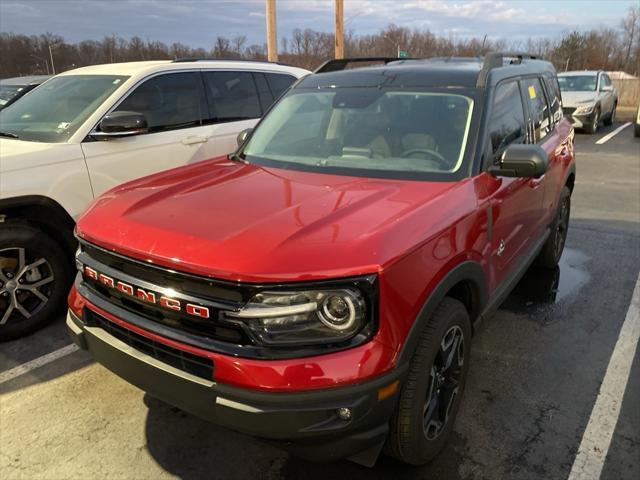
[320,287]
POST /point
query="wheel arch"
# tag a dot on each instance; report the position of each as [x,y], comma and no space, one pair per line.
[570,177]
[41,212]
[466,283]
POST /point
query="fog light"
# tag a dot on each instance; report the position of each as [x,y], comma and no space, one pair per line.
[344,413]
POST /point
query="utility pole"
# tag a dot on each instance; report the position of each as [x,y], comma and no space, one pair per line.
[339,29]
[53,67]
[272,36]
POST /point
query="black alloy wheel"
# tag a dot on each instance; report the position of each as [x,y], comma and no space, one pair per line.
[554,246]
[430,395]
[444,382]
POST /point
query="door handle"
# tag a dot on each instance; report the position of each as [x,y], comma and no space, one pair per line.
[193,140]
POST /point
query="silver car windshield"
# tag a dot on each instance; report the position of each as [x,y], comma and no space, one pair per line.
[54,111]
[578,83]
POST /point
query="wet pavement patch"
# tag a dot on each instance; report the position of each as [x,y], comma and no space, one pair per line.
[542,291]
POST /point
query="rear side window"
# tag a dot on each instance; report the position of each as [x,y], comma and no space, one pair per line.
[538,107]
[232,96]
[507,124]
[169,101]
[279,82]
[555,100]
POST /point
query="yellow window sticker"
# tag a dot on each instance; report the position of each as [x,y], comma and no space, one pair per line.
[532,91]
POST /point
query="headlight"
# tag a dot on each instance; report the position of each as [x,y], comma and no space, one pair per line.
[584,109]
[305,317]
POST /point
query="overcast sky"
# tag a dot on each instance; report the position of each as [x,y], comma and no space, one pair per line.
[198,22]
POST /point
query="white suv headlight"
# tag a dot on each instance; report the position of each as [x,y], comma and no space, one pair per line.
[584,109]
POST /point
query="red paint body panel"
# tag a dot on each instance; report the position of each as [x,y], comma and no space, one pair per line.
[238,222]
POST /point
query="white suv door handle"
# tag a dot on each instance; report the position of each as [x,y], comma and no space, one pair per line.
[194,139]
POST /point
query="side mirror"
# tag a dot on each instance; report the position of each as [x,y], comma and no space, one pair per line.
[121,124]
[606,88]
[243,136]
[528,161]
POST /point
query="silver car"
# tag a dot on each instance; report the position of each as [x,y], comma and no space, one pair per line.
[588,96]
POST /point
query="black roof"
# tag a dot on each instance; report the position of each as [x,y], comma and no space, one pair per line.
[464,72]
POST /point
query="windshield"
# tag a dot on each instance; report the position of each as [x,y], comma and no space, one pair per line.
[55,110]
[578,83]
[364,130]
[7,92]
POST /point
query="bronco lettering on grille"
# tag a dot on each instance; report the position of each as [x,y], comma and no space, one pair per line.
[146,296]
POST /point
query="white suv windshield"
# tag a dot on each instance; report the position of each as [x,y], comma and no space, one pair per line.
[55,110]
[366,129]
[578,83]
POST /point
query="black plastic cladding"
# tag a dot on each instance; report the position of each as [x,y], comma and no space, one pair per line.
[216,335]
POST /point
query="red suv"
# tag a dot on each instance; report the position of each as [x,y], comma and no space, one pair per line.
[320,287]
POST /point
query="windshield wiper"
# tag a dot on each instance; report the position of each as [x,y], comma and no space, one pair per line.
[8,135]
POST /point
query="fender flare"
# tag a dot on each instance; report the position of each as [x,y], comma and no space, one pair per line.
[466,271]
[57,222]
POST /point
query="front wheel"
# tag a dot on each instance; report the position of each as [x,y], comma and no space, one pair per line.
[552,250]
[612,116]
[430,396]
[592,127]
[34,279]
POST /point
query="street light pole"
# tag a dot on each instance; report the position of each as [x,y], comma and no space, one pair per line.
[53,67]
[339,29]
[272,42]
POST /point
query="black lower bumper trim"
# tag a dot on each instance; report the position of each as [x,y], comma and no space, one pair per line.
[305,423]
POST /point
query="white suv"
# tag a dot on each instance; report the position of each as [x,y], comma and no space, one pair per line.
[587,97]
[87,130]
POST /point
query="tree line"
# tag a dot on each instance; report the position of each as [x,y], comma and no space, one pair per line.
[601,48]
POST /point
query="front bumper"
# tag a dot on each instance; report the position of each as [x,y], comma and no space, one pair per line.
[581,120]
[306,423]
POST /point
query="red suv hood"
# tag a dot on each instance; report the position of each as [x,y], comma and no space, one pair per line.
[247,223]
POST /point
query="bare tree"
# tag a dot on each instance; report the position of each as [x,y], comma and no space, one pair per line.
[630,26]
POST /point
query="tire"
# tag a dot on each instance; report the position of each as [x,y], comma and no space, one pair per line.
[30,297]
[612,116]
[595,121]
[408,440]
[551,252]
[636,130]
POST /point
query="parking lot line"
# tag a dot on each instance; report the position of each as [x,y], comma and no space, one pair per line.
[596,439]
[36,363]
[610,135]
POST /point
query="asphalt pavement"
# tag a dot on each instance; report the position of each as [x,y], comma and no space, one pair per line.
[536,370]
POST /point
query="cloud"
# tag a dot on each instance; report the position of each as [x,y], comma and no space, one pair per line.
[198,22]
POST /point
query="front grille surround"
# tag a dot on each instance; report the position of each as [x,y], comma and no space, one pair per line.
[215,333]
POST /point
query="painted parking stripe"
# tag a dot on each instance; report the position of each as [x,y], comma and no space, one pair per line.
[604,416]
[609,136]
[36,363]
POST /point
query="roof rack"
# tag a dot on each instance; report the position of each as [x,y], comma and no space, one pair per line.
[453,59]
[338,64]
[213,59]
[496,60]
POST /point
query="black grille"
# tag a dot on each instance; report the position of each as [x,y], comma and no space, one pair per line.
[221,293]
[568,110]
[201,287]
[195,365]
